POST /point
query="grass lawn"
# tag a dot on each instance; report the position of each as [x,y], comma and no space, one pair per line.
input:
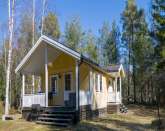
[139,118]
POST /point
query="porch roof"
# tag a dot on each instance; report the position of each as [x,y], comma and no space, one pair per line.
[33,62]
[116,69]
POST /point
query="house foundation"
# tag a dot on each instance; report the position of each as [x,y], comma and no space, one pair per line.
[87,113]
[113,108]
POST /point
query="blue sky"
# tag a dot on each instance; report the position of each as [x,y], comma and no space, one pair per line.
[92,13]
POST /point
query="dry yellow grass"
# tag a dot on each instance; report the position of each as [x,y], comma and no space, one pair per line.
[139,118]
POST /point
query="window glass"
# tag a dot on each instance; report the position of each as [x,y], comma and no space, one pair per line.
[67,82]
[101,83]
[96,82]
[118,84]
[54,84]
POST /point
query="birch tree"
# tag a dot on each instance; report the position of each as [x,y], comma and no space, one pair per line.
[11,23]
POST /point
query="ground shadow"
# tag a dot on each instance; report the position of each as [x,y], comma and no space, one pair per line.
[91,127]
[127,125]
[143,111]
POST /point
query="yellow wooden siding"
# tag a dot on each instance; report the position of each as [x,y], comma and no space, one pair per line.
[61,65]
[64,64]
[84,77]
[100,97]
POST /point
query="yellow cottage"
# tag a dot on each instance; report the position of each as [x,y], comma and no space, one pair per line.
[67,86]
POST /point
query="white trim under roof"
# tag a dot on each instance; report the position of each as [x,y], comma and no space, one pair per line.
[52,43]
[122,69]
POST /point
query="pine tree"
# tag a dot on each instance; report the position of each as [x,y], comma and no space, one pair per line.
[137,41]
[158,13]
[158,33]
[112,45]
[101,44]
[73,34]
[90,48]
[129,19]
[51,27]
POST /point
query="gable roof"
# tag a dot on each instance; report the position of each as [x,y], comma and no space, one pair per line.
[116,69]
[113,68]
[62,47]
[52,43]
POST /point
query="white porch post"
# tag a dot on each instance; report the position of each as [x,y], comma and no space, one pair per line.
[77,85]
[23,89]
[33,84]
[120,92]
[91,85]
[115,89]
[46,77]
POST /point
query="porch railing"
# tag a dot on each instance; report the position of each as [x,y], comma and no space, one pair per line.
[114,97]
[29,99]
[85,98]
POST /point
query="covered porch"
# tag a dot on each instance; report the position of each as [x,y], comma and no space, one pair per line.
[54,71]
[115,84]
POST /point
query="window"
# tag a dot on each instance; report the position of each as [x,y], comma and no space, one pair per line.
[96,82]
[118,84]
[101,83]
[54,84]
[68,82]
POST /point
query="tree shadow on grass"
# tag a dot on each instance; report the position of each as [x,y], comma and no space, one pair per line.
[117,124]
[83,126]
[55,128]
[91,127]
[104,125]
[143,111]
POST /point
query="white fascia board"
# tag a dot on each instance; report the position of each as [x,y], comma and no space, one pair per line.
[122,69]
[62,47]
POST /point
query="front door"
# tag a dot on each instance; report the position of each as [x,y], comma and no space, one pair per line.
[67,87]
[53,89]
[54,84]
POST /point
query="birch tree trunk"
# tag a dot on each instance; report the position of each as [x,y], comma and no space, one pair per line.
[11,15]
[43,13]
[33,30]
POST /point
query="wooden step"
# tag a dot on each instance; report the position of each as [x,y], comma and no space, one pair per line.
[54,119]
[58,111]
[57,115]
[52,123]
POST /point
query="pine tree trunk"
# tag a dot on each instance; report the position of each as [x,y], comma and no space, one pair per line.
[133,60]
[128,79]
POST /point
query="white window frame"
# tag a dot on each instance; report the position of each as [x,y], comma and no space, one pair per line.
[56,90]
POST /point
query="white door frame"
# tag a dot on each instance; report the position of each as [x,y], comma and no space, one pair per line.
[56,75]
